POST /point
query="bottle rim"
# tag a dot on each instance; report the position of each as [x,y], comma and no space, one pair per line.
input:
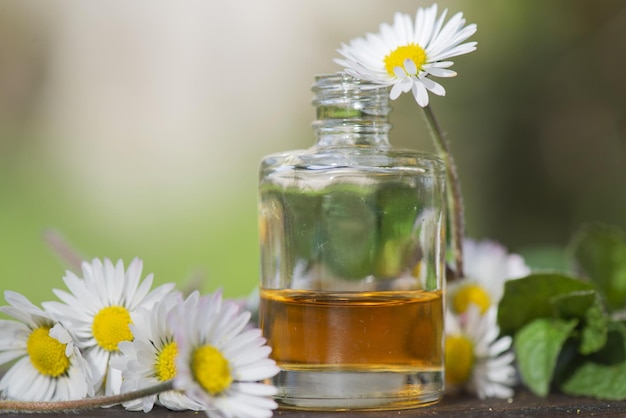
[342,81]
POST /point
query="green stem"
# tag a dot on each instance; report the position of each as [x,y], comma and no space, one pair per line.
[80,404]
[455,198]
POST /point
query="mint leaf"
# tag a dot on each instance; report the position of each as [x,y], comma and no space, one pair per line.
[573,304]
[539,296]
[547,258]
[595,331]
[598,380]
[537,347]
[602,373]
[348,228]
[600,252]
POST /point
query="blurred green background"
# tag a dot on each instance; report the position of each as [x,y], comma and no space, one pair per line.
[136,128]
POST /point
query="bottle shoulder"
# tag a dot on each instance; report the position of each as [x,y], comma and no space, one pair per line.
[355,158]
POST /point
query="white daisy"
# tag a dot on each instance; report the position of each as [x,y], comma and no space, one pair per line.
[49,367]
[151,358]
[406,54]
[476,360]
[221,363]
[488,266]
[99,310]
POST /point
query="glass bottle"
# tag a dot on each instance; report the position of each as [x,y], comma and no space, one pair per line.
[352,240]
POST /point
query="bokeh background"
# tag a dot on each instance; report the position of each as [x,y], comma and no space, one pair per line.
[136,128]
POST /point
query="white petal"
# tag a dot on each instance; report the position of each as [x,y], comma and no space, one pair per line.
[434,87]
[396,91]
[420,94]
[178,402]
[500,345]
[6,356]
[410,66]
[440,72]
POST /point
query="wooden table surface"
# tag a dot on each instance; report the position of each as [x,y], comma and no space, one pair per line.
[523,404]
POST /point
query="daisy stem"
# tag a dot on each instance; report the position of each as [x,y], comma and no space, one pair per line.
[80,404]
[455,198]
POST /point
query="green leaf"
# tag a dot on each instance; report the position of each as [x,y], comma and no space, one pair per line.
[595,331]
[539,295]
[598,380]
[348,225]
[547,257]
[601,375]
[600,252]
[537,347]
[573,304]
[397,209]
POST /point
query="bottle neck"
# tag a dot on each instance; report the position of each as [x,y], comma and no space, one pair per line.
[350,112]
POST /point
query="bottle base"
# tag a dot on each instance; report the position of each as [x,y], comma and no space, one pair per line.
[323,390]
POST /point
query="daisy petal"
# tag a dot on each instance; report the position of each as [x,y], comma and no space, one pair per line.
[409,66]
[420,94]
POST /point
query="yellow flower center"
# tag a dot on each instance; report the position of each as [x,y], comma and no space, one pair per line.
[471,293]
[396,58]
[46,353]
[459,359]
[110,327]
[210,369]
[166,362]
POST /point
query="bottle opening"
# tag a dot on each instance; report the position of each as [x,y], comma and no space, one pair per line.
[350,111]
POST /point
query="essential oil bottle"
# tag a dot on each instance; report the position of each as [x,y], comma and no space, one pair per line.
[352,241]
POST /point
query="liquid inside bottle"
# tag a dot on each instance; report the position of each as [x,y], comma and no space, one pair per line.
[352,235]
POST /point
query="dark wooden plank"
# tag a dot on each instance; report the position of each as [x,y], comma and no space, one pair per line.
[524,404]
